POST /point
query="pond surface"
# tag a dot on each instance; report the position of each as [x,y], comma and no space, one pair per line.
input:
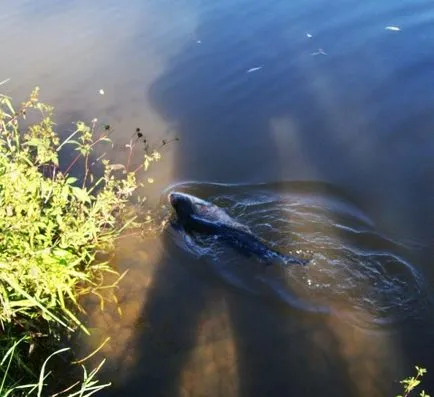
[311,123]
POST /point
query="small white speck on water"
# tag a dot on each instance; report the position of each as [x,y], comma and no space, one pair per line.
[256,68]
[308,35]
[393,28]
[150,180]
[95,120]
[309,281]
[199,41]
[101,92]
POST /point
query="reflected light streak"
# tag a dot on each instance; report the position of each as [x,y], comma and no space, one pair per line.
[121,325]
[369,356]
[212,364]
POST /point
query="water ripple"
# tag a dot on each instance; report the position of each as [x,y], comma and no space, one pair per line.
[355,271]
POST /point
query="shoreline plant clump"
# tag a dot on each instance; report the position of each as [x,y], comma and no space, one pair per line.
[52,227]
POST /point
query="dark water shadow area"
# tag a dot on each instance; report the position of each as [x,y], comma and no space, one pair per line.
[196,337]
[183,333]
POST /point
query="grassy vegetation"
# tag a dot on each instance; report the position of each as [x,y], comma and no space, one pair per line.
[52,227]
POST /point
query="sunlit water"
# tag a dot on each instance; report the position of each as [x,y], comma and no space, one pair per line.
[341,95]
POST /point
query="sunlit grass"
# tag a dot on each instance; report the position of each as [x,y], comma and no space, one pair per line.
[87,386]
[52,226]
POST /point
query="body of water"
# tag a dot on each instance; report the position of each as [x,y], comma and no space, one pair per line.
[313,124]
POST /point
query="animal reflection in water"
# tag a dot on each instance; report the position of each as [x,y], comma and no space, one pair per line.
[196,216]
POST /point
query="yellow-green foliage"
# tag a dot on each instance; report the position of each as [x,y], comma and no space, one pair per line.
[51,224]
[410,383]
[50,228]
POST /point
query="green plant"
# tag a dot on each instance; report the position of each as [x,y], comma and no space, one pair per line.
[88,386]
[52,226]
[410,383]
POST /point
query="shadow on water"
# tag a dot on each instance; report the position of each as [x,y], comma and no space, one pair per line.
[197,337]
[192,337]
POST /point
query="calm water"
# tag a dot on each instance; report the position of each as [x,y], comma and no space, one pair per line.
[311,123]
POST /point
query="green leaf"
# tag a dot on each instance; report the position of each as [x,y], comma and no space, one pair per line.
[71,180]
[80,194]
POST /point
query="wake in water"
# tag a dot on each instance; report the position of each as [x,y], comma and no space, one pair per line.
[354,270]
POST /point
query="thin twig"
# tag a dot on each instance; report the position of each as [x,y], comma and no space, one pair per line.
[86,169]
[138,168]
[72,163]
[66,140]
[130,146]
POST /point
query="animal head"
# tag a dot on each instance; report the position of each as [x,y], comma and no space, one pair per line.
[186,205]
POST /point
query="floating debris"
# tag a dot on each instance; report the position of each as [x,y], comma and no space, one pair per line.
[319,52]
[199,41]
[393,28]
[150,180]
[308,35]
[254,69]
[101,92]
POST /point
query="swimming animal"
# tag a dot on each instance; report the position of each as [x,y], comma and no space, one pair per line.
[198,216]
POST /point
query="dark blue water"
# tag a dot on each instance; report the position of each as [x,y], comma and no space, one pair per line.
[354,272]
[340,95]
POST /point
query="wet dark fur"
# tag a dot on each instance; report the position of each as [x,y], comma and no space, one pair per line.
[243,240]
